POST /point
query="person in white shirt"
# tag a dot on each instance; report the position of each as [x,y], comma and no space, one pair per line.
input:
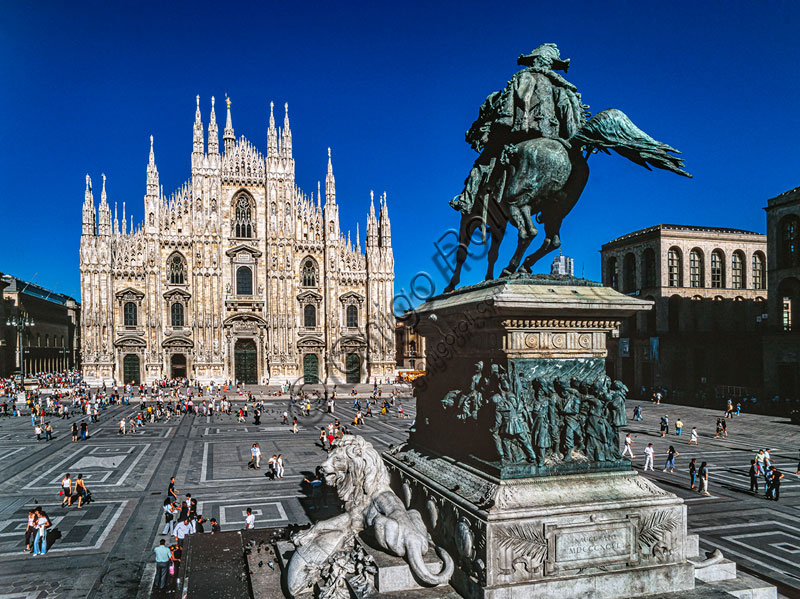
[279,466]
[255,452]
[181,530]
[649,452]
[66,488]
[250,520]
[628,446]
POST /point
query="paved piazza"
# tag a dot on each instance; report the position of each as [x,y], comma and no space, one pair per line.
[105,549]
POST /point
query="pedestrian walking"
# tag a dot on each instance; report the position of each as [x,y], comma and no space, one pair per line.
[294,425]
[250,520]
[163,559]
[66,490]
[42,524]
[84,430]
[637,413]
[678,427]
[692,472]
[703,472]
[760,458]
[255,454]
[80,490]
[649,453]
[30,530]
[775,484]
[753,473]
[172,492]
[279,465]
[694,437]
[181,530]
[628,446]
[671,455]
[170,511]
[664,425]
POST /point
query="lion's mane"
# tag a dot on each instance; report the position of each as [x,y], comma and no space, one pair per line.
[359,471]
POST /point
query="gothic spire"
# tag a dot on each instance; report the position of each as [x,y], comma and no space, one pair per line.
[116,220]
[152,172]
[198,143]
[89,216]
[272,134]
[213,131]
[124,220]
[372,223]
[330,182]
[358,239]
[103,212]
[319,195]
[385,227]
[228,137]
[286,140]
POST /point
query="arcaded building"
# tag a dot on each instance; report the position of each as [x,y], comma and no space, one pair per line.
[236,275]
[782,342]
[709,288]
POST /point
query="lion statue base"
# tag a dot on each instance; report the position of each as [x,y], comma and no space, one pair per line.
[355,469]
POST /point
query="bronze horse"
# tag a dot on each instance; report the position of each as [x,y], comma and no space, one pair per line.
[542,181]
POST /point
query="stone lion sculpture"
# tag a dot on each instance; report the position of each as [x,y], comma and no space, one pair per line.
[355,469]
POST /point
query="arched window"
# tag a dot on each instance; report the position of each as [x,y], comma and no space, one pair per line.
[789,250]
[309,316]
[177,315]
[717,270]
[129,314]
[244,281]
[674,268]
[243,221]
[737,270]
[759,271]
[629,272]
[309,273]
[176,270]
[649,267]
[696,269]
[352,316]
[611,267]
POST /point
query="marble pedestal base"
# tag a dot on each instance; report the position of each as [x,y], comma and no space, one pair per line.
[600,535]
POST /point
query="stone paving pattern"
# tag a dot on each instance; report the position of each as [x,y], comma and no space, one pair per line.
[105,550]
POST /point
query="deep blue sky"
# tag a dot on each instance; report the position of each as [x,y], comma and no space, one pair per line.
[391,87]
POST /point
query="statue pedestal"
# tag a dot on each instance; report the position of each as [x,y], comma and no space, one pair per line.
[513,459]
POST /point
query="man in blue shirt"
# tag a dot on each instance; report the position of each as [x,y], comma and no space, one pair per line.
[163,557]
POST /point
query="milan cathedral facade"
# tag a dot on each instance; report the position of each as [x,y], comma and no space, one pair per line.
[238,275]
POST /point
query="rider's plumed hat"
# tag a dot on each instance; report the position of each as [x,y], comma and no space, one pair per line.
[546,52]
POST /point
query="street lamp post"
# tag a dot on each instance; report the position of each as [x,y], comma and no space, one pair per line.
[20,321]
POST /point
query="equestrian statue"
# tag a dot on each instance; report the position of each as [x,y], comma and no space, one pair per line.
[534,139]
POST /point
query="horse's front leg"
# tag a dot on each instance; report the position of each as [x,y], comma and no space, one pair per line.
[497,232]
[468,225]
[551,242]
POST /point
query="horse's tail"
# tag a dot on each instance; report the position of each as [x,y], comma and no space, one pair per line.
[612,130]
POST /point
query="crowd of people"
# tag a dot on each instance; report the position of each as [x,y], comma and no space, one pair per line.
[761,465]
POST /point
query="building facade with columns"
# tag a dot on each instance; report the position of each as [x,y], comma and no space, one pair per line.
[704,333]
[237,275]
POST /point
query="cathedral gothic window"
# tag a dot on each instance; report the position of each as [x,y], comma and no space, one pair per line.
[177,315]
[129,314]
[309,273]
[309,316]
[352,317]
[243,223]
[176,270]
[244,281]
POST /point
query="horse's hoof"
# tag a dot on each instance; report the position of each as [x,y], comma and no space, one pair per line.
[506,273]
[449,288]
[524,270]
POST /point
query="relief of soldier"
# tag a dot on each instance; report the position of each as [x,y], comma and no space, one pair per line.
[544,421]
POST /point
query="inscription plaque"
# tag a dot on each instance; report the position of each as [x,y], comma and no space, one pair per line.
[584,545]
